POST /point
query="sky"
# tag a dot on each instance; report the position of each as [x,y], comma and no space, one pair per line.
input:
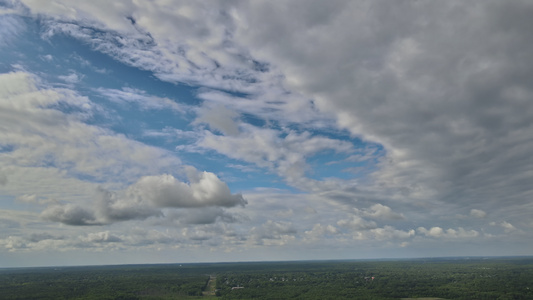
[209,131]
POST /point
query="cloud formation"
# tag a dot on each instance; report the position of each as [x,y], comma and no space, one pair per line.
[69,214]
[447,116]
[39,134]
[450,233]
[477,213]
[353,123]
[380,211]
[204,189]
[285,153]
[146,102]
[148,196]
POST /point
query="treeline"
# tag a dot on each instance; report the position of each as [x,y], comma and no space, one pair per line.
[447,279]
[120,282]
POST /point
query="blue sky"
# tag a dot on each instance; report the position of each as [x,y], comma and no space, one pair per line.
[198,131]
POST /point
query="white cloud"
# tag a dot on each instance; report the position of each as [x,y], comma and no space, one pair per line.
[380,211]
[319,232]
[384,82]
[141,98]
[111,207]
[46,133]
[162,40]
[451,126]
[148,196]
[37,134]
[267,149]
[47,144]
[13,243]
[389,232]
[28,198]
[271,104]
[47,57]
[177,49]
[71,78]
[360,229]
[450,233]
[478,213]
[205,189]
[508,227]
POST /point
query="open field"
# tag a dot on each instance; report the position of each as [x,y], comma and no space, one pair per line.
[210,289]
[494,278]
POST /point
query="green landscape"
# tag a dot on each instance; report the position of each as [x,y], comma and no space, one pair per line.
[429,278]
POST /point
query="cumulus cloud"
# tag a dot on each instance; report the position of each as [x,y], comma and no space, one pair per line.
[13,243]
[477,213]
[381,211]
[37,134]
[389,232]
[438,232]
[319,231]
[111,207]
[507,227]
[361,229]
[148,196]
[204,189]
[71,78]
[69,214]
